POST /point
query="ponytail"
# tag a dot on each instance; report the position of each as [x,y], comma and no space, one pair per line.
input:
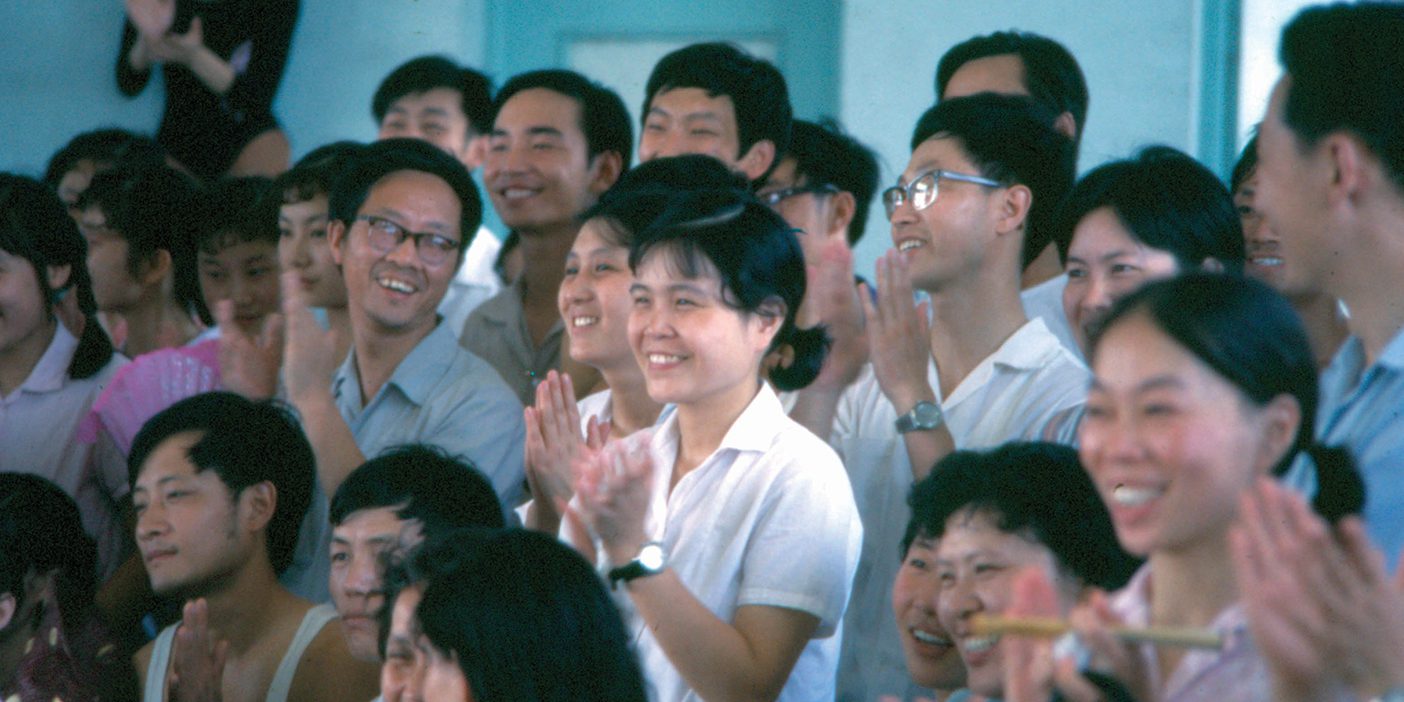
[1340,492]
[93,352]
[808,347]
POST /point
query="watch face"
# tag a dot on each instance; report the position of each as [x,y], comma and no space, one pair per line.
[651,557]
[927,414]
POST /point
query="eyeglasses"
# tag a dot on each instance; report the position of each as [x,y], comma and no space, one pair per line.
[775,197]
[386,235]
[922,191]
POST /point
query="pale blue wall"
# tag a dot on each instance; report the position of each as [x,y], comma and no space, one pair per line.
[1139,56]
[1144,60]
[56,72]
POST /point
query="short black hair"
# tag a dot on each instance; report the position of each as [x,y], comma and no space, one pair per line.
[313,174]
[493,610]
[1034,489]
[425,73]
[757,90]
[423,483]
[1167,201]
[603,118]
[105,148]
[1345,72]
[1011,139]
[232,211]
[757,258]
[35,226]
[644,192]
[150,208]
[381,158]
[825,155]
[245,443]
[41,531]
[1051,73]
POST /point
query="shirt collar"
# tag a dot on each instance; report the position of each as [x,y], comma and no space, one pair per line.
[1392,356]
[753,430]
[1028,348]
[50,373]
[418,373]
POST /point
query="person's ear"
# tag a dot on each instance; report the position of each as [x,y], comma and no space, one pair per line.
[8,606]
[842,208]
[1282,417]
[1014,208]
[474,151]
[1066,125]
[605,169]
[58,276]
[258,503]
[768,318]
[336,239]
[757,159]
[1349,159]
[156,268]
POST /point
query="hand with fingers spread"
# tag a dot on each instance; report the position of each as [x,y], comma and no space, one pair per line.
[552,441]
[898,335]
[197,660]
[1093,621]
[832,300]
[1320,605]
[613,486]
[1033,666]
[309,351]
[247,365]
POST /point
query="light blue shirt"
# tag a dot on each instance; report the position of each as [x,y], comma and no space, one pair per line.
[1362,409]
[441,394]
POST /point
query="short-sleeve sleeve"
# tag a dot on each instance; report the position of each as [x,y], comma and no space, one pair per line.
[804,550]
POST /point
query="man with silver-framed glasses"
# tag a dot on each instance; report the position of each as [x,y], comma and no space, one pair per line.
[966,369]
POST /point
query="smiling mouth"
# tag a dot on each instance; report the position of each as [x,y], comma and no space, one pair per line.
[396,285]
[584,321]
[978,644]
[929,638]
[1265,261]
[910,244]
[511,194]
[664,358]
[1128,496]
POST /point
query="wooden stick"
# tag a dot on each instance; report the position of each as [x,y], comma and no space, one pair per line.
[1048,627]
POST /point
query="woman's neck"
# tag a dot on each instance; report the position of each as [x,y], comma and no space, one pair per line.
[631,408]
[19,359]
[157,325]
[704,423]
[1190,586]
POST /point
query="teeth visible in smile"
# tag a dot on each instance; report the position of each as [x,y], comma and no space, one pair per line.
[1267,260]
[395,284]
[979,644]
[929,638]
[584,321]
[663,358]
[909,244]
[1132,497]
[516,193]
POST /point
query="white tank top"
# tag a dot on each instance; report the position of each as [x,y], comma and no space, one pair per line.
[312,624]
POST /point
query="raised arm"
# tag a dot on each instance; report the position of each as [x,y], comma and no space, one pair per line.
[749,658]
[899,339]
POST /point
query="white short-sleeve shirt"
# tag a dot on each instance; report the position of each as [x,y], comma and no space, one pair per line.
[768,519]
[39,423]
[1031,382]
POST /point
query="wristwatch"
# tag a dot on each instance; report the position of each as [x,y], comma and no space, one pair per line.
[924,417]
[650,561]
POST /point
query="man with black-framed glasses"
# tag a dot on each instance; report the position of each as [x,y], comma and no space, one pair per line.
[397,224]
[967,369]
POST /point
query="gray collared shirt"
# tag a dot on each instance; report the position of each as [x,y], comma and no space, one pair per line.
[440,394]
[497,332]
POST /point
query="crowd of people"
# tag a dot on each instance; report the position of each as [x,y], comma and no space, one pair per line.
[311,431]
